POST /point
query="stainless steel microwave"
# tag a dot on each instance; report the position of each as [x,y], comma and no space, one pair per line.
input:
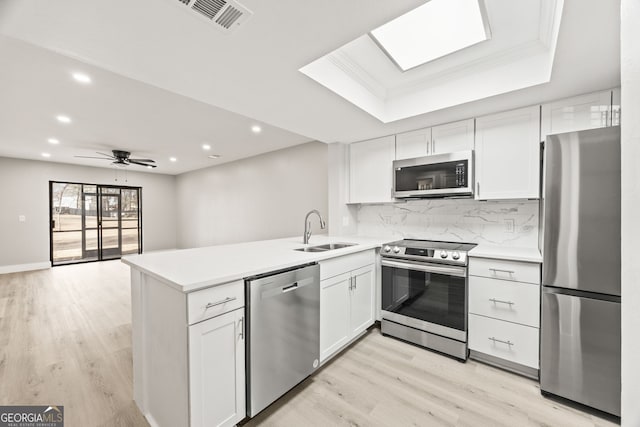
[440,175]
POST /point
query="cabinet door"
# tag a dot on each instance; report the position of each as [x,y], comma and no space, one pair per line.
[615,107]
[334,314]
[508,155]
[452,137]
[362,299]
[412,144]
[217,370]
[582,112]
[370,170]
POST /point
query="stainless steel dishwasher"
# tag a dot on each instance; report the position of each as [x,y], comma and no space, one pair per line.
[283,337]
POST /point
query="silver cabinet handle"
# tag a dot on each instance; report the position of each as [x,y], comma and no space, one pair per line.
[496,270]
[433,146]
[478,188]
[355,283]
[241,327]
[224,301]
[495,340]
[495,301]
[350,283]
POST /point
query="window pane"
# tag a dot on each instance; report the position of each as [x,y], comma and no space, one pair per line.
[66,206]
[130,241]
[67,246]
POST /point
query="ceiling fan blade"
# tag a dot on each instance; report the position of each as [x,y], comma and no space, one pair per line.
[141,164]
[107,155]
[92,157]
[143,160]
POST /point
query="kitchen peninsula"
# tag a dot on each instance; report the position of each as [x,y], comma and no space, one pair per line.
[188,320]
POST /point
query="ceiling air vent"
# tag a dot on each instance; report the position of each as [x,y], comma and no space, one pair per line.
[225,15]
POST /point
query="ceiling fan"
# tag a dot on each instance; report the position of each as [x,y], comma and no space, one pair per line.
[121,158]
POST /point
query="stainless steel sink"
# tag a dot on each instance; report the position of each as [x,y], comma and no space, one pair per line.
[325,247]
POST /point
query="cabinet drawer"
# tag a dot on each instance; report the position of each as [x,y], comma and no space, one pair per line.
[334,266]
[513,301]
[211,302]
[505,340]
[516,271]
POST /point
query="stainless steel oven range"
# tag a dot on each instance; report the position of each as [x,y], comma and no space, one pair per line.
[424,294]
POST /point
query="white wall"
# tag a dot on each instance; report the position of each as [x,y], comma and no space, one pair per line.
[24,190]
[262,197]
[630,57]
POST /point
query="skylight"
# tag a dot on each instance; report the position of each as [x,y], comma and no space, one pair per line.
[431,31]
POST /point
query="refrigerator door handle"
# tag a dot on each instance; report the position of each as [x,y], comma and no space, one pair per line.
[581,294]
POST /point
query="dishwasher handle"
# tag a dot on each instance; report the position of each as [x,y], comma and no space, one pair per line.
[290,288]
[273,289]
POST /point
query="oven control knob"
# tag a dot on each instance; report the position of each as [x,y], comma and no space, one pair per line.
[387,248]
[396,249]
[443,254]
[455,255]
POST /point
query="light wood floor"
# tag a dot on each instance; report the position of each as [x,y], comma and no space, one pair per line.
[65,339]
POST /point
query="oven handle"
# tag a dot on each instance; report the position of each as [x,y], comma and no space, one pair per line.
[427,268]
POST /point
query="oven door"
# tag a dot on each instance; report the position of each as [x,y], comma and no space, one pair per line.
[430,297]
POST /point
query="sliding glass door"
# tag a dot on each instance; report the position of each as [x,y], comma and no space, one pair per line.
[93,222]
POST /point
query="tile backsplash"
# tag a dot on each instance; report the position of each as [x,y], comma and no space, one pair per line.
[512,223]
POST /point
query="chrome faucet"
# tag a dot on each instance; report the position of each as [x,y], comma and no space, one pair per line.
[307,225]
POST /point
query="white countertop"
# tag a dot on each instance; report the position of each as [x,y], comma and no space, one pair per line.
[191,269]
[506,252]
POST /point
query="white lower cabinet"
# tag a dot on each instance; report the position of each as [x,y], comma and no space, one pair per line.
[504,340]
[504,313]
[217,370]
[346,303]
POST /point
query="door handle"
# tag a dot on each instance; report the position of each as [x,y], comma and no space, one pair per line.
[241,327]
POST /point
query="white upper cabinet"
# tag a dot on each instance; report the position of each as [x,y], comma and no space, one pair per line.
[452,137]
[508,155]
[589,111]
[615,107]
[447,138]
[370,170]
[412,144]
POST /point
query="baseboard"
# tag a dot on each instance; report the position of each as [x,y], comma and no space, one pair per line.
[6,269]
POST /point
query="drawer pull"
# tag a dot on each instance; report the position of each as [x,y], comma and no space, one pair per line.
[496,301]
[496,270]
[495,340]
[224,301]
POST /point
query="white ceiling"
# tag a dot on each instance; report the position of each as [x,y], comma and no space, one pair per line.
[114,112]
[519,54]
[252,72]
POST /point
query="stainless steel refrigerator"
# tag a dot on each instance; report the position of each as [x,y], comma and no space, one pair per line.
[580,332]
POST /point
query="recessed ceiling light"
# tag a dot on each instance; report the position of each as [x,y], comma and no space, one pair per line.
[53,141]
[256,129]
[173,159]
[214,156]
[431,31]
[206,147]
[63,119]
[46,155]
[81,78]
